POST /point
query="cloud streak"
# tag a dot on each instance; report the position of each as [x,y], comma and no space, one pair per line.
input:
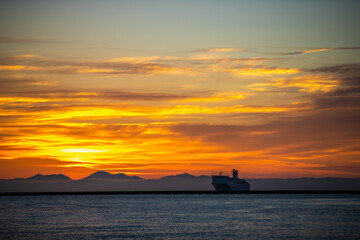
[153,65]
[221,50]
[313,50]
[305,51]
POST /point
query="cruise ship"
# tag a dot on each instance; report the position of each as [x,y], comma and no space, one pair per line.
[226,183]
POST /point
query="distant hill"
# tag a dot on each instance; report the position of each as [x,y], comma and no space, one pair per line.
[102,175]
[183,176]
[52,177]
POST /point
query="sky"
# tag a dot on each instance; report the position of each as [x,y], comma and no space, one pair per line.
[155,88]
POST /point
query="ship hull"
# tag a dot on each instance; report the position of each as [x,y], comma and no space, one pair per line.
[231,187]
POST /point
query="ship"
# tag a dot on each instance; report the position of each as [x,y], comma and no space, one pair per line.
[226,183]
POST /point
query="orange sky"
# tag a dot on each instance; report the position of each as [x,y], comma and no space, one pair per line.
[201,109]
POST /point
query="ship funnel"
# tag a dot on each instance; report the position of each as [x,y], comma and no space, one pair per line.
[235,174]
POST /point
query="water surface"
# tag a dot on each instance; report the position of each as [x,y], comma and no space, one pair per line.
[233,216]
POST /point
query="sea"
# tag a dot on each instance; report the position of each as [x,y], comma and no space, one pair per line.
[181,216]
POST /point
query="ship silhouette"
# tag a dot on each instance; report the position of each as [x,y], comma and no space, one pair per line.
[226,183]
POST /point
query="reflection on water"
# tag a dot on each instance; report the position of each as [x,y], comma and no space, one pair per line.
[261,216]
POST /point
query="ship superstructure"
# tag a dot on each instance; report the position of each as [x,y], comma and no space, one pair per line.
[226,183]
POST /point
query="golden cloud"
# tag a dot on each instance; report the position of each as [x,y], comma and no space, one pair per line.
[308,84]
[258,72]
[219,97]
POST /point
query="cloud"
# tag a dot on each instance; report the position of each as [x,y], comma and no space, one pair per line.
[347,94]
[39,90]
[14,148]
[333,80]
[261,71]
[218,97]
[333,111]
[330,102]
[347,74]
[151,65]
[36,161]
[92,112]
[131,129]
[11,84]
[313,138]
[307,83]
[313,50]
[348,69]
[143,96]
[325,132]
[221,50]
[134,65]
[310,50]
[206,59]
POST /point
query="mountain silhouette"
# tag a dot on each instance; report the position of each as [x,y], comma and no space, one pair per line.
[104,181]
[102,175]
[183,176]
[52,177]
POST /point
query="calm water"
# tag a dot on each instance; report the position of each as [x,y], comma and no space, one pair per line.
[261,216]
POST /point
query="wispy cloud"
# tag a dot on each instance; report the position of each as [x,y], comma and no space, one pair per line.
[221,50]
[313,50]
[312,83]
[262,71]
[339,69]
[303,51]
[152,65]
[219,97]
[114,66]
[86,112]
[26,90]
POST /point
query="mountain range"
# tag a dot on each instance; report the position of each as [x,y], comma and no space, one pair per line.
[104,181]
[102,175]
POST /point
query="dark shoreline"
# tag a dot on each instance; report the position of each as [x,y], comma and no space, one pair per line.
[170,192]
